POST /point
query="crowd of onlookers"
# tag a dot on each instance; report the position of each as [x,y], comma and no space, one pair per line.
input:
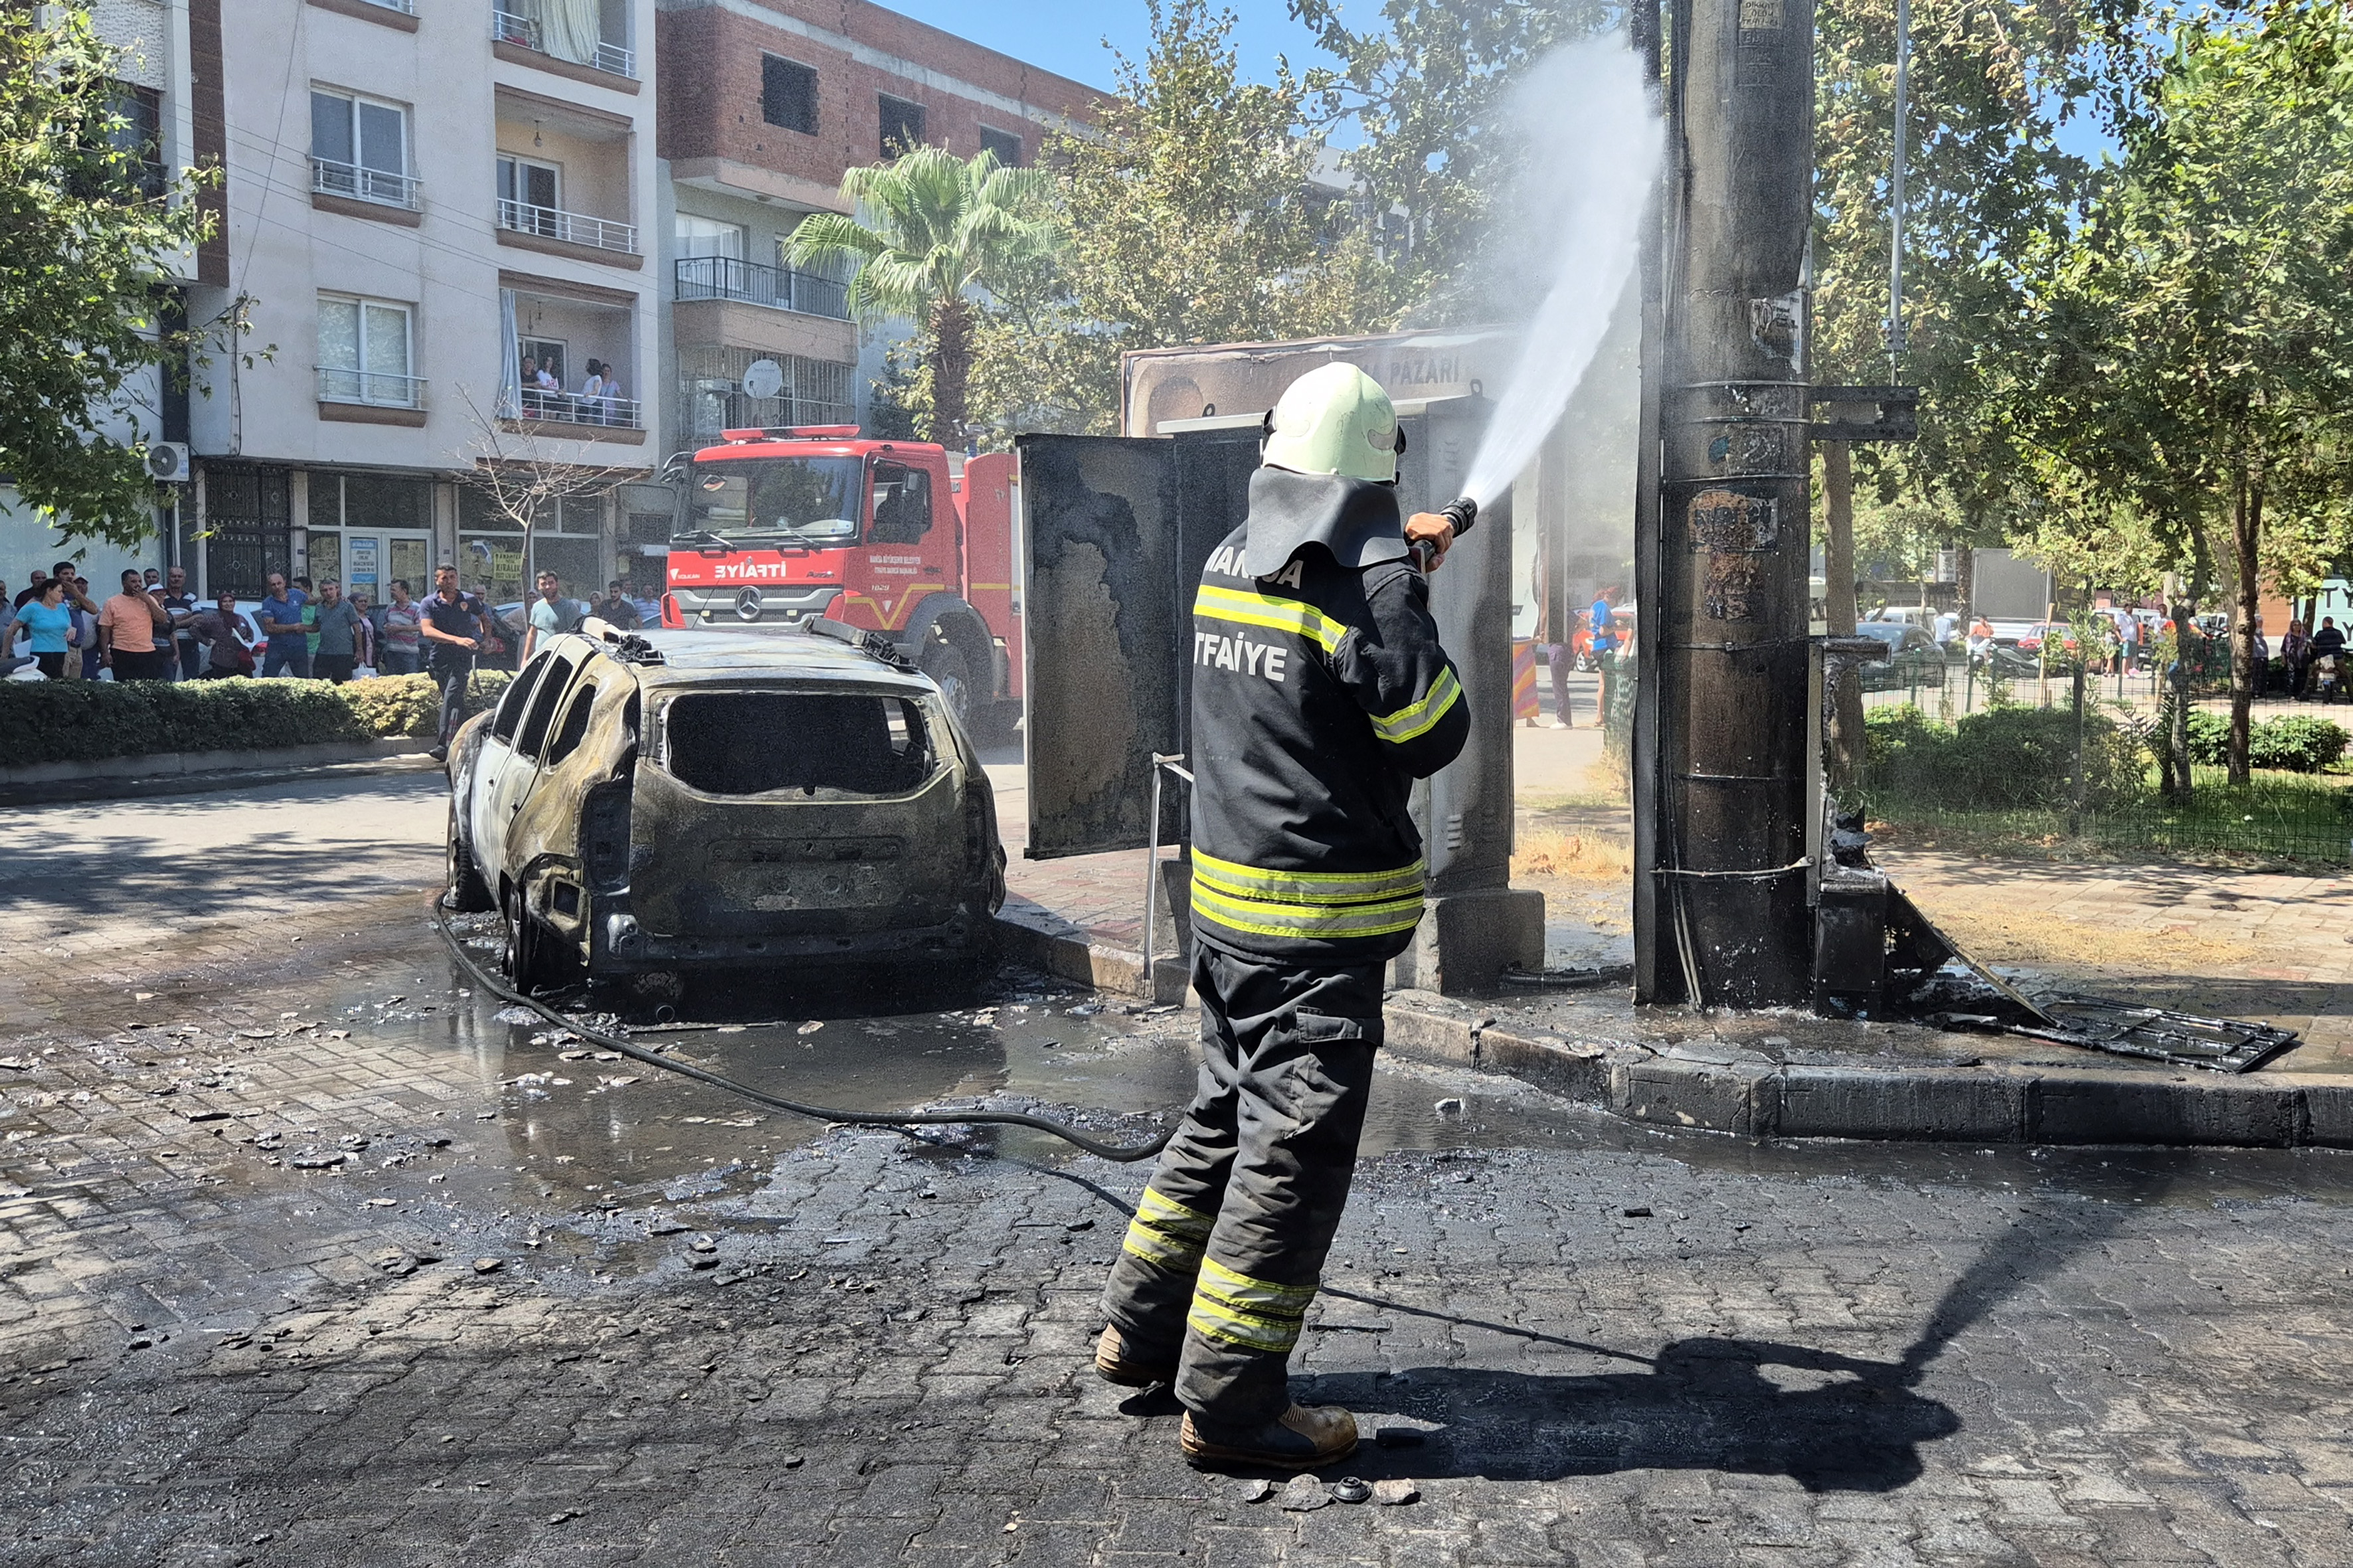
[154,629]
[599,400]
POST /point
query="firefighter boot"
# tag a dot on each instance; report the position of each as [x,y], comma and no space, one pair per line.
[1303,1438]
[1129,1364]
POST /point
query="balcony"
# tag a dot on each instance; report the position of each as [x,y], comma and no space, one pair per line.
[525,28]
[356,183]
[749,283]
[569,414]
[567,228]
[370,398]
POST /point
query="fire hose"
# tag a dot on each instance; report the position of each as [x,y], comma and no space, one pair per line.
[496,985]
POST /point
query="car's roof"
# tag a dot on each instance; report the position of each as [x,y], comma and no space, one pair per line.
[691,658]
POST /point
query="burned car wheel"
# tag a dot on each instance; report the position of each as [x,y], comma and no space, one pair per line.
[468,893]
[530,961]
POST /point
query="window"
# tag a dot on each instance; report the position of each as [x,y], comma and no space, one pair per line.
[1006,144]
[359,148]
[575,727]
[902,504]
[788,95]
[529,195]
[902,125]
[763,743]
[708,237]
[518,698]
[138,134]
[364,352]
[543,705]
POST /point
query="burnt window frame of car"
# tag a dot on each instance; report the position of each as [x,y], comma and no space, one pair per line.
[532,737]
[569,729]
[517,697]
[928,761]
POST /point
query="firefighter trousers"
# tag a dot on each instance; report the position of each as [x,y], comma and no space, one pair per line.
[1229,1241]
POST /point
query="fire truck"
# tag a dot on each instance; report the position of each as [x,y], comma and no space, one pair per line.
[776,527]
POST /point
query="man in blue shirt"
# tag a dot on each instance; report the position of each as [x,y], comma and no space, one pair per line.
[1605,633]
[281,619]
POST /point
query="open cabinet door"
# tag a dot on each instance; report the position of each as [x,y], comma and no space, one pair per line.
[1105,614]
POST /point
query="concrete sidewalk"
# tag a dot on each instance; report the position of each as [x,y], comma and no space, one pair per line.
[2225,944]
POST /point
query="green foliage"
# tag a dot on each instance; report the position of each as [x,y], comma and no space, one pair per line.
[1191,217]
[931,228]
[1421,90]
[84,720]
[2294,742]
[2003,759]
[1987,185]
[86,252]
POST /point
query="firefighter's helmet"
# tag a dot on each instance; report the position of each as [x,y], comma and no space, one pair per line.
[1335,420]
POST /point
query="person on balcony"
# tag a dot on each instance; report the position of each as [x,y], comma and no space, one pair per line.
[592,395]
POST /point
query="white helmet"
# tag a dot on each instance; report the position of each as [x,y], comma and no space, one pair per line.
[1333,420]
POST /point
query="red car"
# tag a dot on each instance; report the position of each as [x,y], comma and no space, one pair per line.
[1580,642]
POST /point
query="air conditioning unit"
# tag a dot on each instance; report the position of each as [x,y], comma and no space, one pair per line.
[167,462]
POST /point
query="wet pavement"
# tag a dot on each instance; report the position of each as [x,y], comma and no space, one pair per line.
[309,1256]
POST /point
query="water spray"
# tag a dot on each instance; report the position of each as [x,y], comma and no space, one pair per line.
[1593,149]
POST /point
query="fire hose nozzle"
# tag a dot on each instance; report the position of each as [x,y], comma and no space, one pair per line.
[1462,511]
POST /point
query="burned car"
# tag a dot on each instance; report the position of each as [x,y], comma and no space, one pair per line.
[693,800]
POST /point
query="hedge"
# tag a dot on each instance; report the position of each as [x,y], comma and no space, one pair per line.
[2293,742]
[2001,759]
[85,721]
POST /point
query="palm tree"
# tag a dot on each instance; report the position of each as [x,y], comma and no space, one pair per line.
[931,228]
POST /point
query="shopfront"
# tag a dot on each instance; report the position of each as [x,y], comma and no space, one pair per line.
[368,531]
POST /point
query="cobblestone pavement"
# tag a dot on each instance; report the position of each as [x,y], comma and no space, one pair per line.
[321,1264]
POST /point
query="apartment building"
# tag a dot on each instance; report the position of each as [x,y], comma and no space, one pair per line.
[764,104]
[438,212]
[155,96]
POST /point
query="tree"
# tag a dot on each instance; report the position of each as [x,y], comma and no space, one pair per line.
[511,467]
[1988,86]
[1193,216]
[931,228]
[1422,91]
[88,231]
[2197,362]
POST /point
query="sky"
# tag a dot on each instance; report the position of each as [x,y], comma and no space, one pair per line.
[1066,37]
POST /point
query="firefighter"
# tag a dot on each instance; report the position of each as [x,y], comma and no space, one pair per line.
[1320,693]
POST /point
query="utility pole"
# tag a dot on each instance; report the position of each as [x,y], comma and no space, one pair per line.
[1726,874]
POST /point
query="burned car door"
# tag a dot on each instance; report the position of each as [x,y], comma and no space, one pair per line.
[490,760]
[519,764]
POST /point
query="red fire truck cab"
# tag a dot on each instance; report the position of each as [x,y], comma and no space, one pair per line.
[775,527]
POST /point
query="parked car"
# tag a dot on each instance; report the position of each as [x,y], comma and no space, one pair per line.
[1914,659]
[692,800]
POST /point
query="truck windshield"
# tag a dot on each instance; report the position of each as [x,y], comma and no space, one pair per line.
[789,501]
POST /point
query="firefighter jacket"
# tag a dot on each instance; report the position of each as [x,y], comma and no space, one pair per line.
[1319,695]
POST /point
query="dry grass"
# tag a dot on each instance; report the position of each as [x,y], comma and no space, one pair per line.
[1578,857]
[1997,935]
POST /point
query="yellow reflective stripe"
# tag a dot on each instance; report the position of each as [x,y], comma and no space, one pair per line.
[1417,719]
[1273,917]
[1239,1309]
[1307,887]
[1261,610]
[1167,1233]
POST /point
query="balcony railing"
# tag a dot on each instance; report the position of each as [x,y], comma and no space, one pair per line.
[364,184]
[520,28]
[749,283]
[572,229]
[572,408]
[378,389]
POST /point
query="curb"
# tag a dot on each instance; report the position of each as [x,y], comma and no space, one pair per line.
[1035,936]
[1728,1089]
[192,773]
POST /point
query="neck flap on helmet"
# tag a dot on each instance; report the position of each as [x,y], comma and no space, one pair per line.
[1357,520]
